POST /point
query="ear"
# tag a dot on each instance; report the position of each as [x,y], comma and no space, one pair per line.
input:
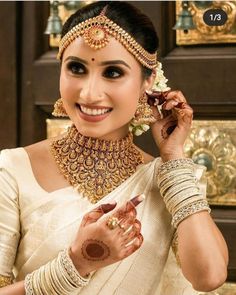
[149,81]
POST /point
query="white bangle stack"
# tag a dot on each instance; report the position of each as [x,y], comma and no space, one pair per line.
[179,189]
[58,276]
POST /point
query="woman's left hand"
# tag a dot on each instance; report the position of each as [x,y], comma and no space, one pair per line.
[171,132]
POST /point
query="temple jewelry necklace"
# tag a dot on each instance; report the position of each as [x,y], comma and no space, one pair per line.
[93,166]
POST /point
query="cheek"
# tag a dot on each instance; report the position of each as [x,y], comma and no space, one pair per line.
[67,87]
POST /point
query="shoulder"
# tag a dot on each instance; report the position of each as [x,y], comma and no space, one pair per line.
[39,149]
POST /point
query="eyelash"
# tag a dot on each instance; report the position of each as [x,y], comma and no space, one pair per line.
[77,68]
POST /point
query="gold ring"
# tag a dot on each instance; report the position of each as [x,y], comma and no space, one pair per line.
[121,226]
[112,222]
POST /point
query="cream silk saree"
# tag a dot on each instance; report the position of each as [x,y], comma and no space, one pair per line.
[35,225]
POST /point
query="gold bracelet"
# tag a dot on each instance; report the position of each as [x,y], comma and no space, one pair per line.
[58,276]
[183,213]
[175,164]
[180,189]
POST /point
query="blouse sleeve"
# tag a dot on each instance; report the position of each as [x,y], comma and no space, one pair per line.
[9,220]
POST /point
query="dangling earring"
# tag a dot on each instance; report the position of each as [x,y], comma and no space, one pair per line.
[59,110]
[143,117]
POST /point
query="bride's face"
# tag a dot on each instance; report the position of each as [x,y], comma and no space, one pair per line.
[100,89]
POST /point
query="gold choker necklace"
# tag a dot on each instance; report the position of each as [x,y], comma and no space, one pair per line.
[93,166]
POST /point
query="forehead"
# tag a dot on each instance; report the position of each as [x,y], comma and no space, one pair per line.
[112,51]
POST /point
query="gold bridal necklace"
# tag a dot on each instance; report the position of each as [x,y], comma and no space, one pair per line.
[93,166]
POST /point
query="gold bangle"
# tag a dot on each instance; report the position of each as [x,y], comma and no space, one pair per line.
[188,210]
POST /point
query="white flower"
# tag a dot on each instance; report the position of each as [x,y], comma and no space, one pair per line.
[160,80]
[145,127]
[138,132]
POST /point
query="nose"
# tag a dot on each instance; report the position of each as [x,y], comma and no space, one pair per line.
[91,91]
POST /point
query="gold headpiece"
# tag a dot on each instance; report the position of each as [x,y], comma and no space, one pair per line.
[96,31]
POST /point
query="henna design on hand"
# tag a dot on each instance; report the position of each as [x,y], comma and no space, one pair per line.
[168,128]
[95,250]
[96,213]
[92,216]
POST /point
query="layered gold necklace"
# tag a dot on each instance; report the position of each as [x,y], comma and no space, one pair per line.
[93,166]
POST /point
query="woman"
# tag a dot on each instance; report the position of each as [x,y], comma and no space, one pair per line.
[74,219]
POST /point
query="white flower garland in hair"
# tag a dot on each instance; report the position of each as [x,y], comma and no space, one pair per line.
[160,86]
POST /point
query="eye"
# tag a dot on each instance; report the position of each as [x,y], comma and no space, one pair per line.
[113,72]
[76,68]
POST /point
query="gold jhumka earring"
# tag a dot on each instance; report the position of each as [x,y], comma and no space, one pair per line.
[59,110]
[143,117]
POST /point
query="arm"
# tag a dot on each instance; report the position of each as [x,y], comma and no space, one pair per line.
[14,289]
[202,250]
[9,221]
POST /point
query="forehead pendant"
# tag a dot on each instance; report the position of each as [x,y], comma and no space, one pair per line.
[96,32]
[96,36]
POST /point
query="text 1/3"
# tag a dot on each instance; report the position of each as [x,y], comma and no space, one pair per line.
[215,17]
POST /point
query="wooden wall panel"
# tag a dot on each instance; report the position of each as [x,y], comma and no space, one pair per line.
[34,44]
[8,72]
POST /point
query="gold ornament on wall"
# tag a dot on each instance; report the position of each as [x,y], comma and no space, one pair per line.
[213,144]
[203,33]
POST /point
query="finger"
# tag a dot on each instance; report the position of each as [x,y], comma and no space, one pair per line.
[132,232]
[156,97]
[170,104]
[135,245]
[97,213]
[176,95]
[184,114]
[126,223]
[128,209]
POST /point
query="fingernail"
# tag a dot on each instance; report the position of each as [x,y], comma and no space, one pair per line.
[108,207]
[138,199]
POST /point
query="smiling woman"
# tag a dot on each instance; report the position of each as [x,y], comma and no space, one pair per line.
[101,95]
[88,212]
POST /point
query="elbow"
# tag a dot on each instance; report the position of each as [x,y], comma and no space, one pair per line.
[210,282]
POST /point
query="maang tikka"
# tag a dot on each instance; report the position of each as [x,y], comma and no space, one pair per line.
[96,32]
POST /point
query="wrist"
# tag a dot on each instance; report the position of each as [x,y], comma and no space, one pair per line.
[83,270]
[172,156]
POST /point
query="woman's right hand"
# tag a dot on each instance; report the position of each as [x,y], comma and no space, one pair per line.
[96,245]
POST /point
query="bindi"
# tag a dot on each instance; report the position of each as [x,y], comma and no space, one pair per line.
[92,59]
[95,250]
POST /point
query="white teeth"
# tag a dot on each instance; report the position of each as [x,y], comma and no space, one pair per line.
[93,112]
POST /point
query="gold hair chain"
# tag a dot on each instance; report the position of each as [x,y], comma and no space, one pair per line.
[96,32]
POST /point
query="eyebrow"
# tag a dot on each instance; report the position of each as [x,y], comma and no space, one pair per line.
[104,63]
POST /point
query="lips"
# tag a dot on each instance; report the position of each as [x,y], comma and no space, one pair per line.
[93,113]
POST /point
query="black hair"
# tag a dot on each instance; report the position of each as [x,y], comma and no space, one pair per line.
[127,16]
